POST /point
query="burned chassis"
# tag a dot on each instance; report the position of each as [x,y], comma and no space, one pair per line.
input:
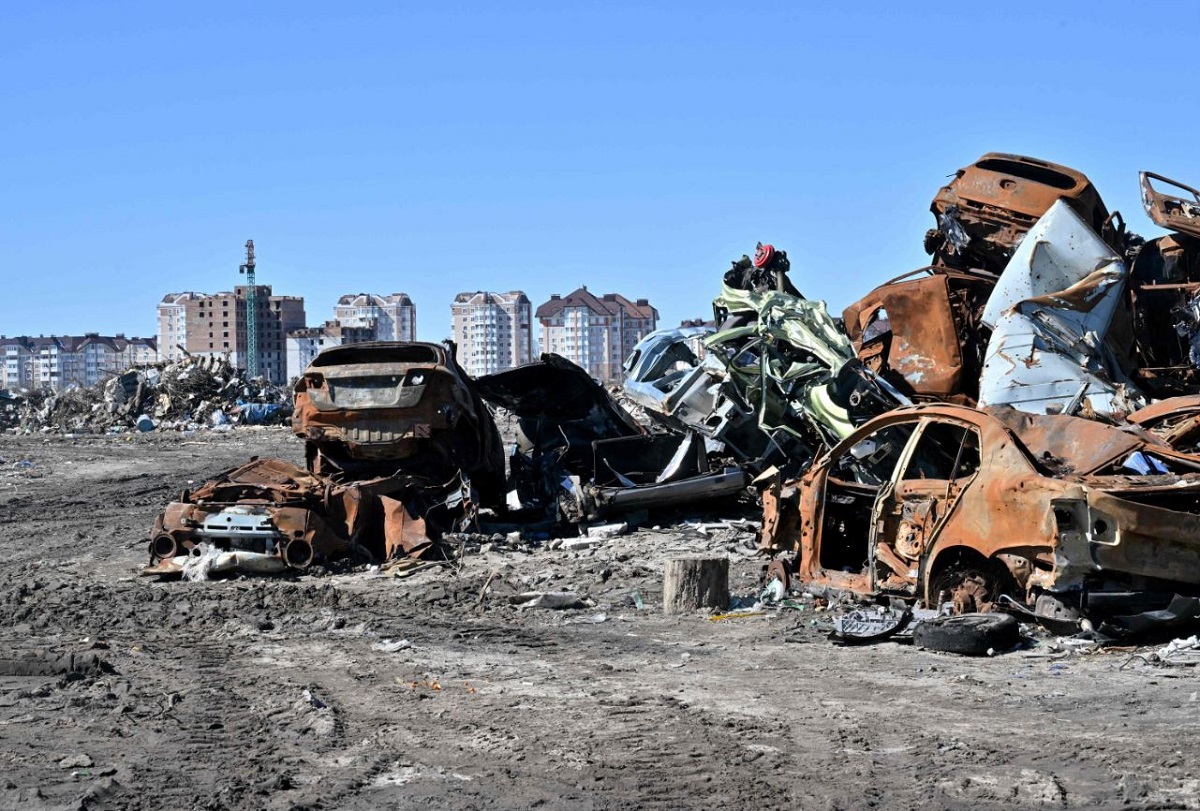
[269,516]
[1079,533]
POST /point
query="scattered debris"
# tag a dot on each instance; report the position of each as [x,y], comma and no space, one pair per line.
[184,395]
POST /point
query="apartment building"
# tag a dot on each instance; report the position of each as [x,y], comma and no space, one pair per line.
[172,324]
[216,325]
[59,362]
[494,331]
[306,343]
[391,318]
[596,332]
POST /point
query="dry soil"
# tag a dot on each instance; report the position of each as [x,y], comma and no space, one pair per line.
[352,690]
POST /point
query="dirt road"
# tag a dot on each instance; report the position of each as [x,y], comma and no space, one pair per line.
[349,690]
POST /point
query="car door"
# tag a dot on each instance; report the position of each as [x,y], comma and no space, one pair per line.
[857,475]
[938,467]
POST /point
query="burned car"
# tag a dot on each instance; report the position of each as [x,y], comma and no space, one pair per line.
[579,456]
[400,450]
[1164,290]
[944,503]
[1056,316]
[269,516]
[985,211]
[370,410]
[924,333]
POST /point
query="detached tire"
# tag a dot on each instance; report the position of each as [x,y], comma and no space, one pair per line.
[968,634]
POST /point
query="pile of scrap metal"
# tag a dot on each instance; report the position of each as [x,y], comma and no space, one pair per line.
[1037,470]
[400,451]
[580,457]
[987,430]
[778,380]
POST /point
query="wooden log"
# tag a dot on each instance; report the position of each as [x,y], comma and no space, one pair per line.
[691,584]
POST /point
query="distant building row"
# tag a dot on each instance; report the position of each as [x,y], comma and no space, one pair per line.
[63,361]
[203,324]
[493,331]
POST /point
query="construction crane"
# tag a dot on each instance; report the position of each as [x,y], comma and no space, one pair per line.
[251,312]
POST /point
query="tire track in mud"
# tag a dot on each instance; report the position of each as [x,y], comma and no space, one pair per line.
[225,738]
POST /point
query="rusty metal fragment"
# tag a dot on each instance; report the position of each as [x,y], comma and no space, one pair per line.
[1179,211]
[923,331]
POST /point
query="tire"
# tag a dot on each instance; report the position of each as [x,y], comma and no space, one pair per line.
[968,634]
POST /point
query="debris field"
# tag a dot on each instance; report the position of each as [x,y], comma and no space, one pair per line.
[466,591]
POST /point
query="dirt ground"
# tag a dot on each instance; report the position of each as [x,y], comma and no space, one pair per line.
[354,690]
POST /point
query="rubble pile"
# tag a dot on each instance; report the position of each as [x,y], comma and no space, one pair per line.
[10,410]
[183,395]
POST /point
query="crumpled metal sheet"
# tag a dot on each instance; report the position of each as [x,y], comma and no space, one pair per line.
[1178,211]
[1050,313]
[784,388]
[925,327]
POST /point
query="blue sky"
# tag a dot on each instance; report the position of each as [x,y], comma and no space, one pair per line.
[637,147]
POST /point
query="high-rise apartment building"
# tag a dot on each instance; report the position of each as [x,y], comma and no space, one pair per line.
[216,325]
[59,362]
[390,318]
[596,332]
[494,331]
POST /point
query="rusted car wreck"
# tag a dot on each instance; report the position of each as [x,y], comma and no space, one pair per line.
[944,503]
[399,449]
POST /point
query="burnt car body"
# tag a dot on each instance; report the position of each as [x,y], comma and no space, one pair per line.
[580,456]
[1175,421]
[937,503]
[1164,290]
[1057,316]
[269,516]
[379,409]
[924,331]
[986,210]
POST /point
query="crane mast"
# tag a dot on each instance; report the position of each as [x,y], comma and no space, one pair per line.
[251,312]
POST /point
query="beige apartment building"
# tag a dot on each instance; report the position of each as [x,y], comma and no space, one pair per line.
[204,324]
[494,331]
[59,362]
[390,318]
[306,343]
[596,332]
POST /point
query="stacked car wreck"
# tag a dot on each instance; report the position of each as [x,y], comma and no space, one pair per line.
[1035,471]
[1013,426]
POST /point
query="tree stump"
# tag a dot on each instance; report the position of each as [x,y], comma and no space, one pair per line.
[690,584]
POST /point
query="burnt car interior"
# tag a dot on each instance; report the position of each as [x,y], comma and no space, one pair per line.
[945,456]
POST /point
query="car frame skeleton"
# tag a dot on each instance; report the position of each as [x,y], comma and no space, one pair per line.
[399,450]
[1095,518]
